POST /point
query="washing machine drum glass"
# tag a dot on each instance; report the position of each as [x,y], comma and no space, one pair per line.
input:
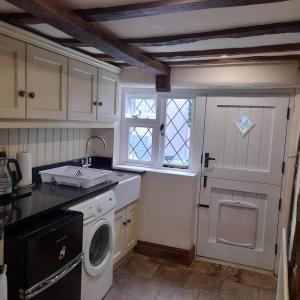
[99,245]
[99,248]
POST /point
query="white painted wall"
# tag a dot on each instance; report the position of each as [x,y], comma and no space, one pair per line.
[168,209]
[279,75]
[46,145]
[267,75]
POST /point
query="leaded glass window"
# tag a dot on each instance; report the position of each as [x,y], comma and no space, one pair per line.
[177,132]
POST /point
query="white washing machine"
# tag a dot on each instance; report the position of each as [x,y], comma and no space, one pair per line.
[98,245]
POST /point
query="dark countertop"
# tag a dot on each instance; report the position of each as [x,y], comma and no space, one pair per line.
[45,198]
[48,197]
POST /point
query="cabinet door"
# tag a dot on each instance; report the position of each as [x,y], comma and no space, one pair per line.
[46,84]
[119,251]
[107,95]
[82,104]
[12,78]
[132,227]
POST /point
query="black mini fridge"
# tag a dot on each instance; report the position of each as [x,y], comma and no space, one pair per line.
[44,258]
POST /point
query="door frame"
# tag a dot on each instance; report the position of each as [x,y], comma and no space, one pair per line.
[283,214]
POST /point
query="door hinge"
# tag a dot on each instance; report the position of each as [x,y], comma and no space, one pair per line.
[288,113]
[276,248]
[279,204]
[283,167]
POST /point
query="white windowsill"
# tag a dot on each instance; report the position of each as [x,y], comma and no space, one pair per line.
[158,170]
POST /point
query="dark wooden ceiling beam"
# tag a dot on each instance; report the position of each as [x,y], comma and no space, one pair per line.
[197,53]
[69,42]
[92,34]
[152,8]
[233,33]
[237,60]
[155,8]
[228,51]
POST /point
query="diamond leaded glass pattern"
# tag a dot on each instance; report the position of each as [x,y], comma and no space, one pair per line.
[177,132]
[140,108]
[140,143]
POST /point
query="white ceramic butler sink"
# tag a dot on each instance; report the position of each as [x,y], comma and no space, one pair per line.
[128,190]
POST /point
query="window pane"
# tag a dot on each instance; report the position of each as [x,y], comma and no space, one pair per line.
[140,107]
[177,132]
[140,143]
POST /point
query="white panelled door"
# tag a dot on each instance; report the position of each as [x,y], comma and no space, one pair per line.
[243,153]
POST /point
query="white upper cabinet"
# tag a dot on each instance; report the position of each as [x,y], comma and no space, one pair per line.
[46,84]
[82,92]
[37,83]
[12,78]
[107,94]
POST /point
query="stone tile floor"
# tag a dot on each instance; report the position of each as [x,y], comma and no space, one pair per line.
[144,278]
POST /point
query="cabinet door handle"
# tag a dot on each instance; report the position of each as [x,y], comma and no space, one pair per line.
[21,94]
[128,221]
[31,95]
[124,223]
[95,103]
[100,103]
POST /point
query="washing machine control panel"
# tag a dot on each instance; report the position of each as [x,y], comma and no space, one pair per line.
[96,206]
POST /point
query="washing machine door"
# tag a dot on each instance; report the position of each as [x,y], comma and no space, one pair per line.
[99,248]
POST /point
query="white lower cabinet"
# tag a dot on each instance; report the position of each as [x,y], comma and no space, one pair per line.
[126,230]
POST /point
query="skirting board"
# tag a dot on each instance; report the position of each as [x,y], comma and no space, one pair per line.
[181,256]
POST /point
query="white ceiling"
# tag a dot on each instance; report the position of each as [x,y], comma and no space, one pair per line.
[206,20]
[189,22]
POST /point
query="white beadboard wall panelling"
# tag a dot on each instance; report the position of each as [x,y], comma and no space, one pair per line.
[46,145]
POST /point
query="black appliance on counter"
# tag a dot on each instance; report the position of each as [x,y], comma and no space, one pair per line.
[8,178]
[44,258]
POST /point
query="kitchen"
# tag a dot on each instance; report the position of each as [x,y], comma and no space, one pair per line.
[149,150]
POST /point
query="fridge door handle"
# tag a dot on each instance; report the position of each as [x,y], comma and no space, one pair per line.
[43,285]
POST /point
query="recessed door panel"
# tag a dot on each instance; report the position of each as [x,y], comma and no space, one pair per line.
[107,89]
[12,78]
[237,222]
[46,84]
[82,92]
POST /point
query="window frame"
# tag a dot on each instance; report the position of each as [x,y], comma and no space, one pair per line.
[164,98]
[158,141]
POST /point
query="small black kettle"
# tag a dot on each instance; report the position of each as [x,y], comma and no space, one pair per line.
[9,178]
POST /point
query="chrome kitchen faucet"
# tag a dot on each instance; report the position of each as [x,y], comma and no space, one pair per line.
[87,163]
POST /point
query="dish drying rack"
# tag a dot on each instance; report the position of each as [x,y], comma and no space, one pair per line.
[76,176]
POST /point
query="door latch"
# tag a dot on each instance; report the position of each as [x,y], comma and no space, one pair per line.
[207,159]
[162,129]
[204,181]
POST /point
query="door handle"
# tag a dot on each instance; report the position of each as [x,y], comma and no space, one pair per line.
[207,158]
